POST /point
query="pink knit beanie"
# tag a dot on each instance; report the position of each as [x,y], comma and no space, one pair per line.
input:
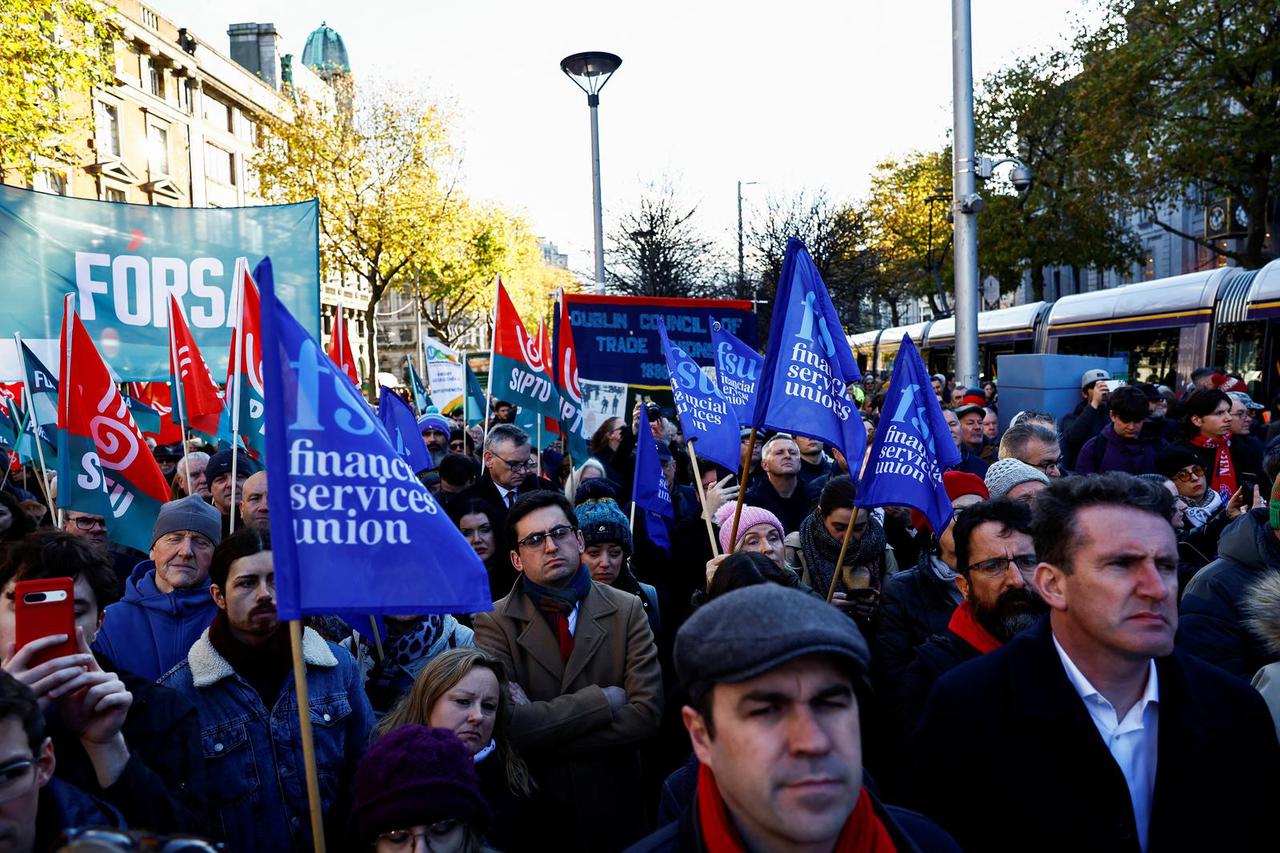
[751,516]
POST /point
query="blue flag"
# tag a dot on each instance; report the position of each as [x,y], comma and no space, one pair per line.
[42,408]
[649,486]
[912,445]
[402,427]
[475,399]
[738,369]
[8,435]
[147,418]
[354,530]
[421,399]
[809,364]
[704,414]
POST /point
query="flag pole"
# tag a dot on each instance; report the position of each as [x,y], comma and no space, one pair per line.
[177,395]
[488,380]
[702,496]
[308,742]
[31,413]
[537,448]
[844,546]
[631,525]
[377,638]
[742,490]
[237,346]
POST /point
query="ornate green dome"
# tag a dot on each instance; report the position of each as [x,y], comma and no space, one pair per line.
[325,51]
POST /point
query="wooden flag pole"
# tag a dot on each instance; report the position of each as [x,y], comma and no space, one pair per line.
[308,742]
[377,637]
[742,490]
[54,512]
[177,396]
[844,546]
[702,496]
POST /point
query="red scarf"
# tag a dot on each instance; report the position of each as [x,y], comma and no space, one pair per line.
[863,832]
[1222,479]
[966,626]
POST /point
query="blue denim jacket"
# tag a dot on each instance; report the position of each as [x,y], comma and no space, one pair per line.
[257,788]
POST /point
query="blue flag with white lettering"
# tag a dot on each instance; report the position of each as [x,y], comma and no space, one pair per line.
[738,369]
[402,427]
[354,530]
[42,399]
[809,365]
[649,486]
[704,414]
[912,445]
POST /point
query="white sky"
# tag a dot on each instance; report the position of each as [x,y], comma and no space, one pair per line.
[799,94]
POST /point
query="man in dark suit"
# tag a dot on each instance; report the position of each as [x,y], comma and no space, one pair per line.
[1090,729]
[508,470]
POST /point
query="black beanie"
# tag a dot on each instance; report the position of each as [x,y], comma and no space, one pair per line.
[1172,459]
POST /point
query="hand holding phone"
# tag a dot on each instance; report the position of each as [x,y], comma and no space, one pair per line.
[44,608]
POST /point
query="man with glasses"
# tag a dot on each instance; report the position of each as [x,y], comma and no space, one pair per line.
[1092,711]
[509,468]
[591,687]
[1035,444]
[166,602]
[995,563]
[93,529]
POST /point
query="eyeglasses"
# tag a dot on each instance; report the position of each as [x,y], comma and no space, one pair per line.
[402,839]
[559,534]
[1048,465]
[16,778]
[1186,475]
[88,522]
[996,566]
[517,466]
[140,840]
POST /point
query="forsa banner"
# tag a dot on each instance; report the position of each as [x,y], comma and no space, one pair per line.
[123,260]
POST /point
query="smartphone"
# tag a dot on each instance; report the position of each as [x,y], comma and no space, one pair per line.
[43,608]
[1250,486]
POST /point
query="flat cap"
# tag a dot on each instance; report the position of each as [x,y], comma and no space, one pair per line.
[750,631]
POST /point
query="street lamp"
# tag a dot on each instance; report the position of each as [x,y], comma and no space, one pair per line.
[590,71]
[742,269]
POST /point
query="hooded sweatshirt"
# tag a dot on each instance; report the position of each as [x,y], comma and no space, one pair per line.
[1130,455]
[149,632]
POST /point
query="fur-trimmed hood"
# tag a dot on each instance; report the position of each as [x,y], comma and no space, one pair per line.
[1261,607]
[208,667]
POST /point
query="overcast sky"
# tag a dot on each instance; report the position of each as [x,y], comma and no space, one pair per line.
[798,94]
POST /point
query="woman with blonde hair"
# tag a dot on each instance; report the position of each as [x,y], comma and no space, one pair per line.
[467,692]
[592,468]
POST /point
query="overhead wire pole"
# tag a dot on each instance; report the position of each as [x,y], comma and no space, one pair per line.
[965,201]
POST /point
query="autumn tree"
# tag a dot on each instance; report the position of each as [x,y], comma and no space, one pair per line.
[52,52]
[658,249]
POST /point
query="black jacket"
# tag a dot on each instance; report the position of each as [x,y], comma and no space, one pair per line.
[162,786]
[790,511]
[914,605]
[1010,725]
[937,656]
[1082,424]
[485,490]
[1210,623]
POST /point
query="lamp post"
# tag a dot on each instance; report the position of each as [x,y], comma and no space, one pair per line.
[965,199]
[590,71]
[742,267]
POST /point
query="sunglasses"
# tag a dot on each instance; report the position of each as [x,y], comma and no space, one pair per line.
[1186,475]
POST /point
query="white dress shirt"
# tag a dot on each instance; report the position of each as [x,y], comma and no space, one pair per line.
[573,619]
[1133,741]
[506,494]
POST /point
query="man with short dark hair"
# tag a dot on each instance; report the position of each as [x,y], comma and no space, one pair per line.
[814,463]
[93,529]
[1122,446]
[995,563]
[457,472]
[1093,708]
[776,684]
[1035,444]
[1202,378]
[780,490]
[584,656]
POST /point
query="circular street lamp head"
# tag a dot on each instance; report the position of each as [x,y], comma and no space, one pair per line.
[590,70]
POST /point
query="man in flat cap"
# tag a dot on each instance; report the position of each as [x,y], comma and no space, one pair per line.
[773,678]
[166,602]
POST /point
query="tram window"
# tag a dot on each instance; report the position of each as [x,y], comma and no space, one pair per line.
[1239,349]
[1152,355]
[1084,345]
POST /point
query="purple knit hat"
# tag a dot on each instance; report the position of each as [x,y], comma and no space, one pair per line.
[751,516]
[415,775]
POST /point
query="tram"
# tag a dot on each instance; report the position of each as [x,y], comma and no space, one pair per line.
[1227,317]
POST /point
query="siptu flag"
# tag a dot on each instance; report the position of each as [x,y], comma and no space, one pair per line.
[912,445]
[159,397]
[197,395]
[402,428]
[421,399]
[104,466]
[809,365]
[737,372]
[147,418]
[355,532]
[573,422]
[649,491]
[243,414]
[517,371]
[475,399]
[704,414]
[340,347]
[42,407]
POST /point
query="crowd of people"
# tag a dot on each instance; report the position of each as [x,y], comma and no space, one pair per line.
[1094,637]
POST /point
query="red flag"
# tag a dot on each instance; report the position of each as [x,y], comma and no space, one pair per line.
[157,396]
[340,347]
[567,362]
[549,424]
[244,395]
[201,401]
[518,370]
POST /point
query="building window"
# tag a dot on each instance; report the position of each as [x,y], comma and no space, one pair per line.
[219,165]
[155,79]
[158,150]
[218,113]
[183,88]
[47,181]
[1149,263]
[113,194]
[108,130]
[150,18]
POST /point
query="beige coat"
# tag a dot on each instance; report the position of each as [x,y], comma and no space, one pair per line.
[585,757]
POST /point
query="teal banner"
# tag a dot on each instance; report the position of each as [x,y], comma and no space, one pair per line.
[122,260]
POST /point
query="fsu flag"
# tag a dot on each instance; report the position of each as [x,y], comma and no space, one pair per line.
[104,466]
[340,347]
[737,372]
[194,389]
[704,413]
[245,400]
[518,372]
[573,424]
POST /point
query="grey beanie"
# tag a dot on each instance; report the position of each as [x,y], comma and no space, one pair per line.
[750,631]
[189,513]
[1004,474]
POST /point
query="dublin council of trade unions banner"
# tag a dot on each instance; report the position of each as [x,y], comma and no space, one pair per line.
[617,336]
[122,260]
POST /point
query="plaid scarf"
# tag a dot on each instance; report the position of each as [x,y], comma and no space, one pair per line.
[821,549]
[557,604]
[1222,479]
